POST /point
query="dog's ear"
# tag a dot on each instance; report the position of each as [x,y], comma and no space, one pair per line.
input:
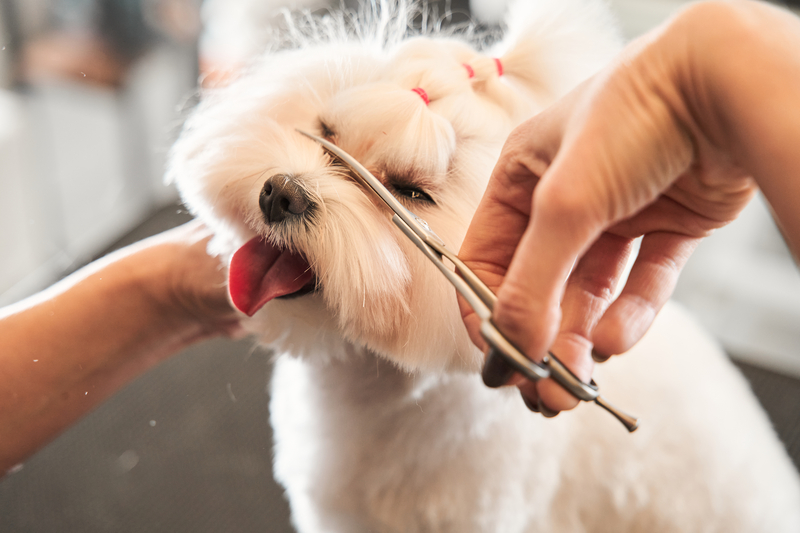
[552,45]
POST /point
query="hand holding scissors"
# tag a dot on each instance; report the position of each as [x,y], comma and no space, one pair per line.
[474,291]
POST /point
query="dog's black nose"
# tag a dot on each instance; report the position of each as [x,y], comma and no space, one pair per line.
[281,198]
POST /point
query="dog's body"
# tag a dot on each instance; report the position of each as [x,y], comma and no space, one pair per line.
[380,417]
[362,446]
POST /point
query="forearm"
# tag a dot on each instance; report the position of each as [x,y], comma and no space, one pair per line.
[767,117]
[66,350]
[750,98]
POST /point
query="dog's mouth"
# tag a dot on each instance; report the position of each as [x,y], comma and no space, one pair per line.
[260,272]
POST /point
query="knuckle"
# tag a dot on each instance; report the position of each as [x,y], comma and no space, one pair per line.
[557,203]
[594,286]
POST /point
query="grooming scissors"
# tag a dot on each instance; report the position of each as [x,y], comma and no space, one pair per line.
[474,291]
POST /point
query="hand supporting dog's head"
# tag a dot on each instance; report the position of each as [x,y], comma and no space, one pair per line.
[315,259]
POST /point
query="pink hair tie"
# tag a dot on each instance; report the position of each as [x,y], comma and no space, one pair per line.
[470,72]
[499,66]
[422,94]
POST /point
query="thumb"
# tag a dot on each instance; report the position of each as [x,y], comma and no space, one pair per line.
[528,309]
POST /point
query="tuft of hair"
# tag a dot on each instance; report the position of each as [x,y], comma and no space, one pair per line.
[377,24]
[544,37]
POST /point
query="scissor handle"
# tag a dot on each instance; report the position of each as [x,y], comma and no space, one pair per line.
[588,392]
[515,358]
[572,383]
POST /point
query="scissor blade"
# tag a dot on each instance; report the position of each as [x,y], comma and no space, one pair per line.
[364,176]
[477,294]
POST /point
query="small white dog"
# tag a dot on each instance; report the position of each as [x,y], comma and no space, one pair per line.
[380,417]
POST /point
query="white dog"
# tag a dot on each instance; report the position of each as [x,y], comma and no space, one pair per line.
[380,417]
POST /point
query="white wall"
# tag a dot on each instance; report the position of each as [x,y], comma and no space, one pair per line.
[638,16]
[17,236]
[82,164]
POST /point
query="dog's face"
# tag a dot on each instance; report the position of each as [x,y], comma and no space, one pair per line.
[315,257]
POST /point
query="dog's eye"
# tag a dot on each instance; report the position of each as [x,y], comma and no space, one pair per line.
[414,194]
[326,130]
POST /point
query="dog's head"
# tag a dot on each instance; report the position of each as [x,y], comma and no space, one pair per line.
[315,258]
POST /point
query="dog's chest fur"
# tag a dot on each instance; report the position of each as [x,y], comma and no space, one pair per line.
[363,446]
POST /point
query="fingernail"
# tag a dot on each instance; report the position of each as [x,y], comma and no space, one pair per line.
[598,357]
[546,411]
[496,372]
[529,403]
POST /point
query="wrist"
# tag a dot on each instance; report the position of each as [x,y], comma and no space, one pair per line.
[725,56]
[152,279]
[752,80]
[184,285]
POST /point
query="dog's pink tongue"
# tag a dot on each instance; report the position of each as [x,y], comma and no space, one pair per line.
[260,272]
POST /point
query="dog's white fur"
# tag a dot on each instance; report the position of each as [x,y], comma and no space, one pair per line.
[380,417]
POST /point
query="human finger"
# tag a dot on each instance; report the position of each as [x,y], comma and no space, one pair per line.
[589,291]
[596,180]
[504,210]
[650,284]
[503,213]
[528,307]
[491,239]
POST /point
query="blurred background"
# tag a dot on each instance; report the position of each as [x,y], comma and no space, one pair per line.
[89,99]
[92,93]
